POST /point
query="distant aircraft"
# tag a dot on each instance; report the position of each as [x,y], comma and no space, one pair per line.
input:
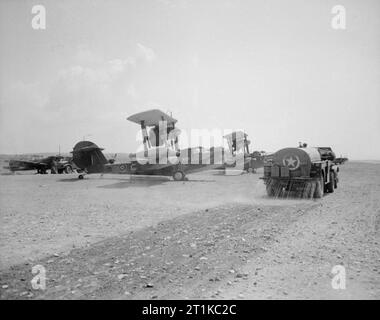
[56,164]
[161,154]
[341,160]
[238,142]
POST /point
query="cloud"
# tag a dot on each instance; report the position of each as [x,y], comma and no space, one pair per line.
[91,93]
[119,65]
[84,55]
[98,88]
[146,53]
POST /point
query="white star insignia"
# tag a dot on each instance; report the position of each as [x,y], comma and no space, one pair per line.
[291,162]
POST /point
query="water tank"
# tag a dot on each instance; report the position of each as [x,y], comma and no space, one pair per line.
[297,160]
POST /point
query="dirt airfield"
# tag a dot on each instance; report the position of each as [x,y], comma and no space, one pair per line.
[212,237]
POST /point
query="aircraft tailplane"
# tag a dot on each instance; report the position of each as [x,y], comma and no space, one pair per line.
[89,157]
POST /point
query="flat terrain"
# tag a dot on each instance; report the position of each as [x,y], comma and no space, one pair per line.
[214,236]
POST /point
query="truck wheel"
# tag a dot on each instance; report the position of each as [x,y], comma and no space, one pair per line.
[330,185]
[270,189]
[306,194]
[68,169]
[335,180]
[273,189]
[313,186]
[319,188]
[178,176]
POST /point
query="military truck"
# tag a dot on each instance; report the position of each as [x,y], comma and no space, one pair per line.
[61,165]
[309,171]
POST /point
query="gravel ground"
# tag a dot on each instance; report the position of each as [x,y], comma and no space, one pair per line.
[211,237]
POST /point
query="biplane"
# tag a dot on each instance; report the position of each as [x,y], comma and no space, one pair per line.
[160,153]
[238,143]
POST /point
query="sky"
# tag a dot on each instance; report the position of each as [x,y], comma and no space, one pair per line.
[275,69]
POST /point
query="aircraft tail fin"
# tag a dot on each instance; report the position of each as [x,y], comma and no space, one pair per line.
[88,156]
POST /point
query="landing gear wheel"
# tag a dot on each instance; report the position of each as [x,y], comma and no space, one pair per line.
[178,176]
[330,185]
[80,177]
[68,169]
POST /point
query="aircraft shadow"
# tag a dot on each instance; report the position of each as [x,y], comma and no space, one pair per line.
[135,181]
[143,183]
[69,180]
[132,184]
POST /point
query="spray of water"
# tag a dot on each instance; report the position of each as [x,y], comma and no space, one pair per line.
[300,190]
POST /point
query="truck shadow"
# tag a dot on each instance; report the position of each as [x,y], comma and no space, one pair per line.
[293,195]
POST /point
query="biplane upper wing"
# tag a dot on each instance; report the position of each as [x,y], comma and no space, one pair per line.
[235,134]
[151,117]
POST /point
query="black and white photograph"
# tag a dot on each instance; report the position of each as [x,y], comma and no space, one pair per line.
[189,150]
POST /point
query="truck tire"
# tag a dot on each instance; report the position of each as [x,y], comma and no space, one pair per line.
[319,188]
[335,180]
[270,189]
[274,190]
[330,185]
[306,193]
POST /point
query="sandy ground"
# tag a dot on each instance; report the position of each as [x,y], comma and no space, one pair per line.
[211,237]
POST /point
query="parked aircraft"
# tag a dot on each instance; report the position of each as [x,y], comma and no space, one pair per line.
[160,155]
[56,164]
